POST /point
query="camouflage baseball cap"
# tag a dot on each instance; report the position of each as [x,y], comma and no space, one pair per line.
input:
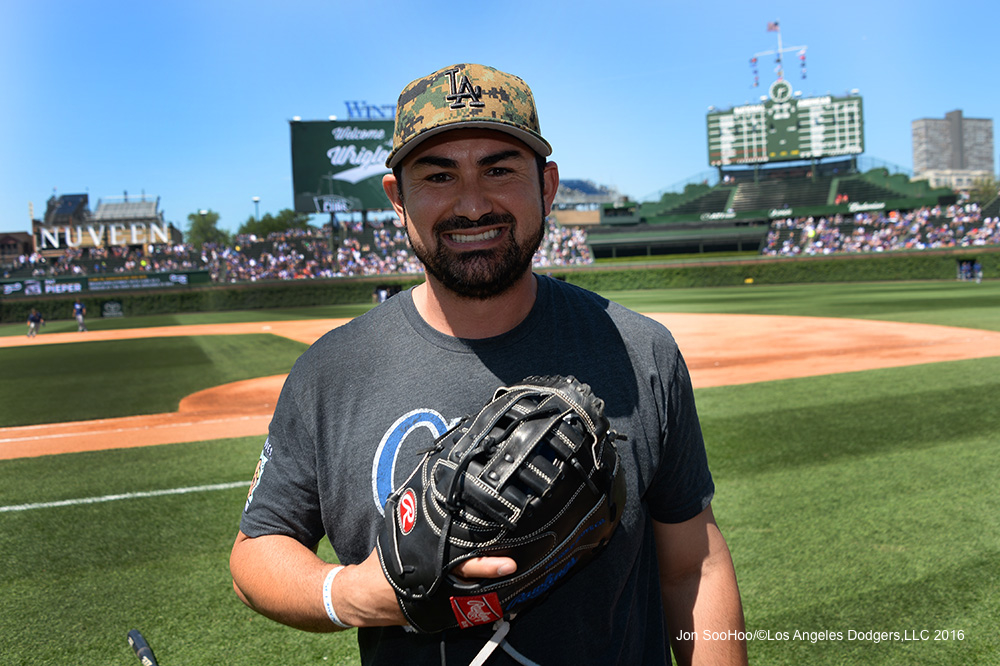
[463,96]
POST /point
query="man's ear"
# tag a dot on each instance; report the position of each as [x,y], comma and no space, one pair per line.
[550,183]
[391,187]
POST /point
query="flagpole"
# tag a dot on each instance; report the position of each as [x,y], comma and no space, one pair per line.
[775,26]
[781,64]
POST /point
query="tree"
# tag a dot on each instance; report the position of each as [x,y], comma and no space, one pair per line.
[203,228]
[983,191]
[283,221]
[696,189]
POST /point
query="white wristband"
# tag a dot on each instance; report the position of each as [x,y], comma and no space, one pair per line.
[328,601]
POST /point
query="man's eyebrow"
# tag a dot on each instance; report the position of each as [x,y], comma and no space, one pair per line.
[496,158]
[448,163]
[435,161]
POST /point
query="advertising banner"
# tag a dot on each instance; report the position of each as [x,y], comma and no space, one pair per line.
[56,286]
[337,165]
[146,281]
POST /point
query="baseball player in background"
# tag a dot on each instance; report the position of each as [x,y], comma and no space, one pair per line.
[78,312]
[471,181]
[35,321]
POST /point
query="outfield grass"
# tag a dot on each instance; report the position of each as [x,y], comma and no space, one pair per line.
[965,304]
[89,380]
[867,502]
[948,303]
[857,502]
[191,318]
[77,578]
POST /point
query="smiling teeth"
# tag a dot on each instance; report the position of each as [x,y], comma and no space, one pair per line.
[472,238]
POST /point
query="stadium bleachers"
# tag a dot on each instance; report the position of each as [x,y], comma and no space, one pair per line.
[714,200]
[859,189]
[992,208]
[359,249]
[766,195]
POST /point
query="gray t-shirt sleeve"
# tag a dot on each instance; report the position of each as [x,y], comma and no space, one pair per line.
[682,485]
[283,497]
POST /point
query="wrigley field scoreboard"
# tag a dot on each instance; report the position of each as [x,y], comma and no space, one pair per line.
[786,127]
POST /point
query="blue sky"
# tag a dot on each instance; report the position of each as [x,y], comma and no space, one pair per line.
[190,100]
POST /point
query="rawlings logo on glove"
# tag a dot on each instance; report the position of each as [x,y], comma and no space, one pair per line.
[533,476]
[407,511]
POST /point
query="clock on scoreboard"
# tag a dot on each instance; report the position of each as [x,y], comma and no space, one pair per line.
[786,127]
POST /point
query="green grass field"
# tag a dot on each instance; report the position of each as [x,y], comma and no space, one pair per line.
[854,503]
[189,319]
[131,377]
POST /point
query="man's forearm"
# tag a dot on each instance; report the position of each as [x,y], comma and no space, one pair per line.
[705,618]
[701,598]
[281,579]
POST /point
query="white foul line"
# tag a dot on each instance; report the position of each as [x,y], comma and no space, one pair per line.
[124,496]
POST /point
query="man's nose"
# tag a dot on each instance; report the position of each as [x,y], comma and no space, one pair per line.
[472,201]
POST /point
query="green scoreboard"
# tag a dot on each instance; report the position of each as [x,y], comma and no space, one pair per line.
[786,127]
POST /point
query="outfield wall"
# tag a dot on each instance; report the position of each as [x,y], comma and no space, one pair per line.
[210,298]
[85,285]
[918,265]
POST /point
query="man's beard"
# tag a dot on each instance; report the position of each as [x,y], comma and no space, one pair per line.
[478,274]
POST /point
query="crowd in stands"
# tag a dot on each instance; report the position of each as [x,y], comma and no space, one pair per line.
[925,228]
[563,246]
[114,259]
[384,249]
[390,254]
[294,254]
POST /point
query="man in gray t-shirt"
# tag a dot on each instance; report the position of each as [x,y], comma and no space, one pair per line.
[473,188]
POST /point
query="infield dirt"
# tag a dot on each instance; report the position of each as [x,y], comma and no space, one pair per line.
[720,350]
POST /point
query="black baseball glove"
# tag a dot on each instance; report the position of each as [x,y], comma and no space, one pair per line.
[533,476]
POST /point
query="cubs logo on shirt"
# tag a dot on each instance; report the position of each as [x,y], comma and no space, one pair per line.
[421,427]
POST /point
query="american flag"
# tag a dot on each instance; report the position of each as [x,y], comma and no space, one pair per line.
[772,26]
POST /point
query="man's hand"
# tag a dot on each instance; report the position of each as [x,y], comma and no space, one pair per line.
[363,597]
[282,579]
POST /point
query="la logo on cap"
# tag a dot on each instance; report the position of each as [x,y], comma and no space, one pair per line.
[460,92]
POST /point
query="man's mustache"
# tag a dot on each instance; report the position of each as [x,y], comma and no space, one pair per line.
[459,223]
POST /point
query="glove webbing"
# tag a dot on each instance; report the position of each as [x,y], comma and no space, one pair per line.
[485,443]
[453,503]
